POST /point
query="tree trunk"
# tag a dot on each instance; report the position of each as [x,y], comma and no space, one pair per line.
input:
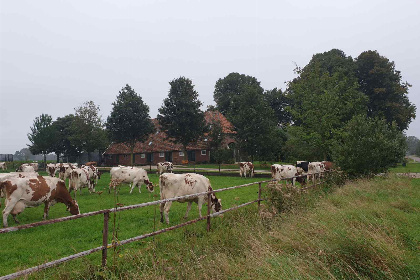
[58,157]
[185,153]
[89,156]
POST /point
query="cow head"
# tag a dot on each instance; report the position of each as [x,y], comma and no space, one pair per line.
[73,207]
[149,185]
[216,204]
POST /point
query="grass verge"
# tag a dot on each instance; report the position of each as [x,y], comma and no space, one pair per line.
[364,230]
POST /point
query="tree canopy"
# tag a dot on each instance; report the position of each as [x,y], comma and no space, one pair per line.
[41,135]
[180,115]
[387,93]
[129,120]
[229,89]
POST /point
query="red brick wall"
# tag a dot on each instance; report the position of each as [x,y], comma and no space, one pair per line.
[176,159]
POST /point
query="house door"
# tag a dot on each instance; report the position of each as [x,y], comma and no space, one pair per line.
[149,157]
[191,155]
[168,156]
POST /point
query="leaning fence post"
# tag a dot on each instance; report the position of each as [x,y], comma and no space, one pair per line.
[208,209]
[105,239]
[259,195]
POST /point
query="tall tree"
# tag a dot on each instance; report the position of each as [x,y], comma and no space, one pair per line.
[383,85]
[41,136]
[88,132]
[228,89]
[180,115]
[255,124]
[64,130]
[279,102]
[323,98]
[129,120]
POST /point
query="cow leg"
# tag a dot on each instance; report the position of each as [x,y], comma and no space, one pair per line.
[188,209]
[162,206]
[166,210]
[200,203]
[46,210]
[6,211]
[133,185]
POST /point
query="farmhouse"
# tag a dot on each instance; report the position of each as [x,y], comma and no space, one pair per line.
[157,148]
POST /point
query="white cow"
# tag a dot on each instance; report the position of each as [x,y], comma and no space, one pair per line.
[65,170]
[135,176]
[33,191]
[173,185]
[79,178]
[25,167]
[282,172]
[315,169]
[3,165]
[164,167]
[94,174]
[246,168]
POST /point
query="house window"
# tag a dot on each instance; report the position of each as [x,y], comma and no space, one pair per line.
[143,155]
[203,152]
[161,154]
[181,154]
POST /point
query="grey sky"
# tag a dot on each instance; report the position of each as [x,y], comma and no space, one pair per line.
[54,55]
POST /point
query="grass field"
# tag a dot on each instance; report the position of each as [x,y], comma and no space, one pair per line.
[364,230]
[409,168]
[38,245]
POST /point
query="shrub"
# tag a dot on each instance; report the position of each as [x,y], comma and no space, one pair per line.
[368,146]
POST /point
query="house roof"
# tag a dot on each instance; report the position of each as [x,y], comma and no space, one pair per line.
[158,142]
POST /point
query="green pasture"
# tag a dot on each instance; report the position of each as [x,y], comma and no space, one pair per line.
[409,168]
[31,247]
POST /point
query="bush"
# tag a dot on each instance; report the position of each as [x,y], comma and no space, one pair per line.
[368,146]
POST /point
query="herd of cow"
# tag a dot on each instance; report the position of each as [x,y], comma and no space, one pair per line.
[301,172]
[25,188]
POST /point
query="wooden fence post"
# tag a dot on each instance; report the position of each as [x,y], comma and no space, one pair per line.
[259,195]
[208,210]
[105,239]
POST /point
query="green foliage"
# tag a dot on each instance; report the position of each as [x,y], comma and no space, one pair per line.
[228,89]
[180,115]
[129,120]
[368,146]
[279,101]
[255,124]
[64,131]
[42,135]
[387,94]
[323,98]
[87,129]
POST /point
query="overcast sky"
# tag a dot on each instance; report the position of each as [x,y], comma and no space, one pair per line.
[55,55]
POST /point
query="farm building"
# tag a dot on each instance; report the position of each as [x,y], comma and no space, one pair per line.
[157,148]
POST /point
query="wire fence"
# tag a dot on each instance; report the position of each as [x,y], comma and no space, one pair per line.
[105,245]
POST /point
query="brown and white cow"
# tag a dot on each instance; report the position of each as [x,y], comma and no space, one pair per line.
[315,169]
[284,172]
[52,169]
[65,170]
[164,167]
[246,168]
[3,165]
[328,165]
[80,178]
[135,176]
[174,185]
[94,174]
[25,167]
[33,191]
